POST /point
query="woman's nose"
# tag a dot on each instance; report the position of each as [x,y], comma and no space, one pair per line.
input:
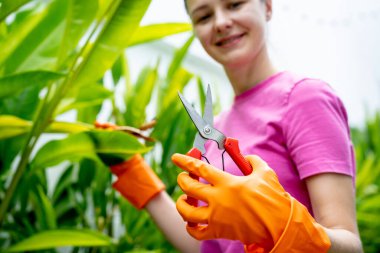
[223,21]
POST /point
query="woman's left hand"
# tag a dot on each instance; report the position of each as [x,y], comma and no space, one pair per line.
[254,209]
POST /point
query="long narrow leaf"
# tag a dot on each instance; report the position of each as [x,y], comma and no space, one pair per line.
[87,145]
[79,16]
[13,84]
[116,143]
[61,238]
[73,148]
[43,208]
[92,95]
[16,36]
[168,92]
[9,6]
[68,127]
[178,58]
[11,126]
[113,39]
[38,50]
[158,31]
[140,96]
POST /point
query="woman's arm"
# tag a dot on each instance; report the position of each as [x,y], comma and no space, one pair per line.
[333,201]
[163,211]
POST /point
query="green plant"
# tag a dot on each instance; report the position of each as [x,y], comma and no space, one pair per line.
[54,57]
[367,150]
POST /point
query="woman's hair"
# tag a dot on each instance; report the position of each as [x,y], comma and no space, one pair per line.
[185,2]
[187,9]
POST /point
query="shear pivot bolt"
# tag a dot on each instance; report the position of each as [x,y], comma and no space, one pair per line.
[207,130]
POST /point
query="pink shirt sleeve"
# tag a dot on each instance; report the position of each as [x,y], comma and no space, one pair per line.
[316,130]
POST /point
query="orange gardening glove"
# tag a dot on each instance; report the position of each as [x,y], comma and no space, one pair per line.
[254,209]
[136,181]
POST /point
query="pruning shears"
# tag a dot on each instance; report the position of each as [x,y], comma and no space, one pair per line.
[206,131]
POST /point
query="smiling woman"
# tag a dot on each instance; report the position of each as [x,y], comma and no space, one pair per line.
[231,32]
[296,124]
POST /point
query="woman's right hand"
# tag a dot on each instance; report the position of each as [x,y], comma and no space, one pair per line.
[136,181]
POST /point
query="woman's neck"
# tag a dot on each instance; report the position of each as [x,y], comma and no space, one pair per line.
[248,75]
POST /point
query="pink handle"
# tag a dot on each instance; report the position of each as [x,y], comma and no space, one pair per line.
[232,147]
[194,152]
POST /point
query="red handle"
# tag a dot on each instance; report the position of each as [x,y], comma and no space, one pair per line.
[194,152]
[232,147]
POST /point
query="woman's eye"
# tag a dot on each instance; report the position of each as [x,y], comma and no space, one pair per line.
[202,19]
[235,5]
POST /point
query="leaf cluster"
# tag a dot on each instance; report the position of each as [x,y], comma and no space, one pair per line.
[55,184]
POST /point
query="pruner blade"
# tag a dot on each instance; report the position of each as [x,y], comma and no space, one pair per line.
[205,127]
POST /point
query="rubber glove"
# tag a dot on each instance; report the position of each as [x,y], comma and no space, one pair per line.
[136,180]
[254,209]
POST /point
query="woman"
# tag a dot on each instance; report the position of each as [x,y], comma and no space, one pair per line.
[296,124]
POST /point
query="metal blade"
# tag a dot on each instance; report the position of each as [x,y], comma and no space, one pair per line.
[205,130]
[208,116]
[198,121]
[199,143]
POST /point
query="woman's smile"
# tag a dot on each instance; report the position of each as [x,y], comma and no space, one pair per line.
[229,41]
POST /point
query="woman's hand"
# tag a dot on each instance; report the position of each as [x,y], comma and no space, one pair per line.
[254,209]
[136,181]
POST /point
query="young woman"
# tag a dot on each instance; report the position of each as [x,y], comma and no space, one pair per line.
[297,125]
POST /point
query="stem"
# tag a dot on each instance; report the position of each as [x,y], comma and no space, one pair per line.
[43,117]
[35,132]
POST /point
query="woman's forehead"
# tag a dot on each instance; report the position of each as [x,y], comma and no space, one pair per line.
[194,5]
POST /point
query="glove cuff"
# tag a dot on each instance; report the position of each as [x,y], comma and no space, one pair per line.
[302,233]
[136,181]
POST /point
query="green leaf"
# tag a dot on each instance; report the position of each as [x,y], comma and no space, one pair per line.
[178,58]
[86,145]
[9,6]
[139,97]
[11,126]
[80,15]
[68,127]
[61,238]
[43,208]
[370,204]
[117,70]
[202,93]
[113,39]
[92,95]
[365,171]
[64,182]
[116,143]
[86,174]
[178,82]
[73,148]
[14,84]
[176,78]
[158,31]
[17,35]
[39,49]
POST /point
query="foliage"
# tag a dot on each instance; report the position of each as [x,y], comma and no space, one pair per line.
[55,57]
[367,149]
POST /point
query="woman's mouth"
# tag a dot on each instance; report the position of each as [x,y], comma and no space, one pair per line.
[229,40]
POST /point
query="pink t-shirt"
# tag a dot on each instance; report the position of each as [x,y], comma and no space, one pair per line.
[297,125]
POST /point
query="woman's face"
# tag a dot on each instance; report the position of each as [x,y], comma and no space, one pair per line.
[231,31]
